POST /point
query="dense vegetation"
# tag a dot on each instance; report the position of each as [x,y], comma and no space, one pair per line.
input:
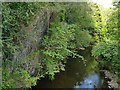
[107,48]
[72,26]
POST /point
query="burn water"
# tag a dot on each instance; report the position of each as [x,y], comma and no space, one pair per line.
[77,75]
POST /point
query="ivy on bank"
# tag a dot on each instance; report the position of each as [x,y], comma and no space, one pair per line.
[57,45]
[15,15]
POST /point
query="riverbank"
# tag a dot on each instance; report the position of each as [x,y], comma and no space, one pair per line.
[113,79]
[76,74]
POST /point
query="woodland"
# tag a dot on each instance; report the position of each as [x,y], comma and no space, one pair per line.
[71,26]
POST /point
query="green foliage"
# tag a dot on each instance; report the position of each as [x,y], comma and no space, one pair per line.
[15,16]
[59,43]
[112,24]
[80,14]
[54,52]
[15,78]
[97,31]
[82,38]
[108,52]
[56,44]
[118,81]
[107,37]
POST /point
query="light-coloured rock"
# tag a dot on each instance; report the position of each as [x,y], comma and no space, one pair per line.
[113,83]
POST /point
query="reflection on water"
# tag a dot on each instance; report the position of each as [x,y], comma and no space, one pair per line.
[77,75]
[91,81]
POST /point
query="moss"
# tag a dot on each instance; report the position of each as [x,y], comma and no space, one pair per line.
[118,81]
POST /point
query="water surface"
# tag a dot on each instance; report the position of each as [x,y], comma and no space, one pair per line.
[77,75]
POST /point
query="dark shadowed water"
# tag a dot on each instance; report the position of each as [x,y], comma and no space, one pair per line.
[77,75]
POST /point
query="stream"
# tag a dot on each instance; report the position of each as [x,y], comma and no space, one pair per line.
[76,74]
